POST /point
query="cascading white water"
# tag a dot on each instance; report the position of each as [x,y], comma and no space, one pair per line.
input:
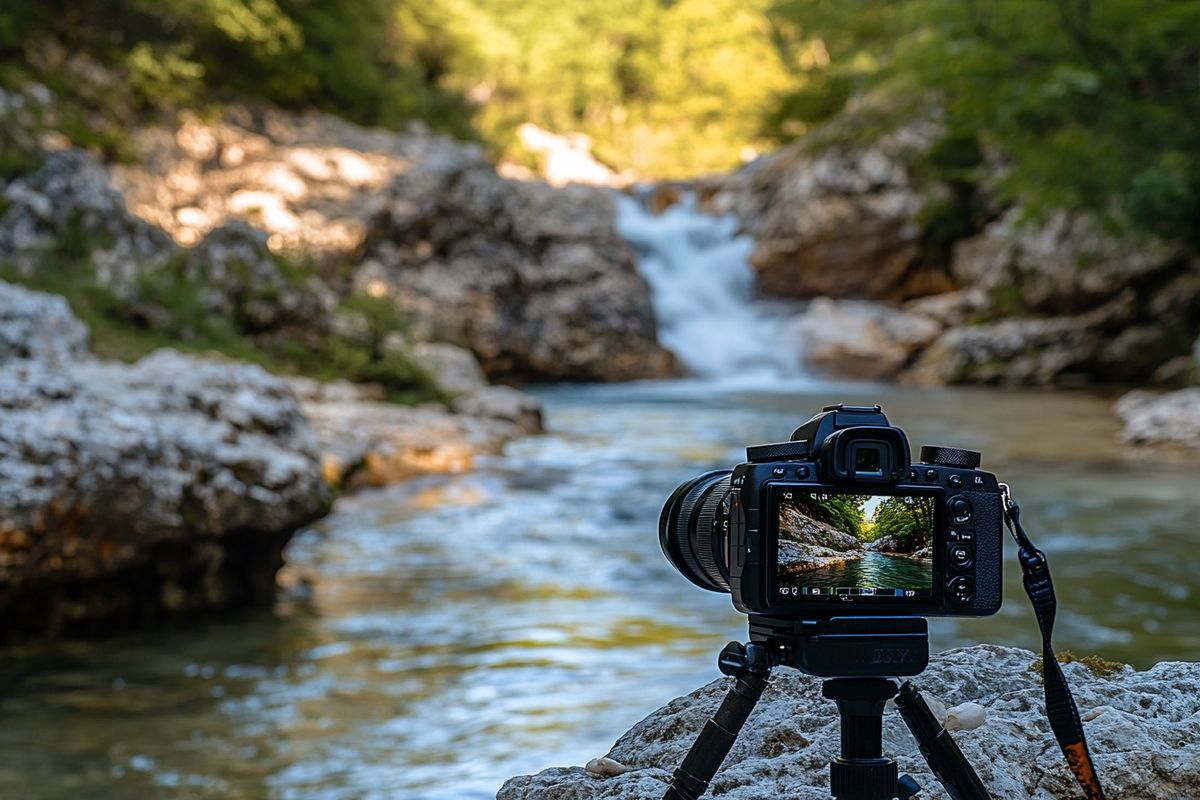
[702,290]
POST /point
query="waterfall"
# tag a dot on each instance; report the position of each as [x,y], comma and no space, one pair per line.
[702,290]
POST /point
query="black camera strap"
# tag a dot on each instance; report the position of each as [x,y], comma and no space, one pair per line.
[1060,705]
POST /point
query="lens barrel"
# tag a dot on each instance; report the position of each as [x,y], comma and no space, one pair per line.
[690,530]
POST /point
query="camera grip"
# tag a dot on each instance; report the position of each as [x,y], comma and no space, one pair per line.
[989,541]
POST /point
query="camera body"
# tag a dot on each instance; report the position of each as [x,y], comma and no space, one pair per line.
[839,522]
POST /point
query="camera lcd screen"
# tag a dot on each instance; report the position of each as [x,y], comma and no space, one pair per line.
[864,545]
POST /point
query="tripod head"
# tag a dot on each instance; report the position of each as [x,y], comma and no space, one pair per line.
[845,647]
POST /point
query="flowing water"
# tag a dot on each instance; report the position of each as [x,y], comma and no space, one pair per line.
[873,570]
[702,288]
[455,630]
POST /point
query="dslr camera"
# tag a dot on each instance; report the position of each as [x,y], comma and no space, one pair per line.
[837,545]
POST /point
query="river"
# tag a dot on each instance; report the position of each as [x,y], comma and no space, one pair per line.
[872,570]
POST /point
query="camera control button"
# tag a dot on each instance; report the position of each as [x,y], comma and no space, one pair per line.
[960,511]
[931,474]
[960,556]
[956,481]
[779,472]
[961,591]
[802,472]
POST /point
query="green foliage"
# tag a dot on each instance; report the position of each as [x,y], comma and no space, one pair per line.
[842,511]
[910,524]
[670,89]
[1092,104]
[372,354]
[353,57]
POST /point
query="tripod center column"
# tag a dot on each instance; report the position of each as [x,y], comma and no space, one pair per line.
[861,772]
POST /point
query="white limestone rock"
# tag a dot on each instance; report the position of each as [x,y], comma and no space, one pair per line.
[129,493]
[1152,418]
[1143,729]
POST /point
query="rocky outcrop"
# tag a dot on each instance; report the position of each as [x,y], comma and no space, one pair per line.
[364,441]
[135,493]
[534,280]
[807,544]
[68,205]
[1067,301]
[238,278]
[860,339]
[309,181]
[266,210]
[1140,726]
[1061,298]
[1151,418]
[836,220]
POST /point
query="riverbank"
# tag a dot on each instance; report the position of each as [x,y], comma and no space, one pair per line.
[134,495]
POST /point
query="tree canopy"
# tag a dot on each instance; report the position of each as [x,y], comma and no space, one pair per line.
[1084,103]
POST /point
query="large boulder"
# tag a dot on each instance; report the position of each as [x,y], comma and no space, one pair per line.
[534,280]
[861,339]
[1153,418]
[69,205]
[1064,264]
[1140,725]
[837,220]
[135,493]
[236,277]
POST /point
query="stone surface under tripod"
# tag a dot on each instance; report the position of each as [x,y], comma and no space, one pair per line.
[1143,729]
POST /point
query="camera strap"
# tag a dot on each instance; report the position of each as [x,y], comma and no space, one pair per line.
[1060,705]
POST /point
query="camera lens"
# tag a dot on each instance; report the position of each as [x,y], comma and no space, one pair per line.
[690,532]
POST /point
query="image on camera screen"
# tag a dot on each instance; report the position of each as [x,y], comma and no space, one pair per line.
[855,544]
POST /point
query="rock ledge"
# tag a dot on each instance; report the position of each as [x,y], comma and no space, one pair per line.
[1143,729]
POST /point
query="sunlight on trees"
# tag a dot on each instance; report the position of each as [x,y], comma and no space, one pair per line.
[1083,104]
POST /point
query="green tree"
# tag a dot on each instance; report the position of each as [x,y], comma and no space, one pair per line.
[842,511]
[1093,103]
[908,520]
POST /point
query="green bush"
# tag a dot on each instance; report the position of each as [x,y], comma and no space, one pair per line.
[1092,104]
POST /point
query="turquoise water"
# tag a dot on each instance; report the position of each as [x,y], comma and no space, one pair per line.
[450,632]
[873,570]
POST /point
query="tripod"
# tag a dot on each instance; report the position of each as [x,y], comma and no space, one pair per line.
[861,772]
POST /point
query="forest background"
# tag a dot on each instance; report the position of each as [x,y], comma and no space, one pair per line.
[1090,104]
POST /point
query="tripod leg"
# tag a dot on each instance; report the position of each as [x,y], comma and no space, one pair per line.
[691,778]
[949,765]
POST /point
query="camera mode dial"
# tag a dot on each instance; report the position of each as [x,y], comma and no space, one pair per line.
[950,457]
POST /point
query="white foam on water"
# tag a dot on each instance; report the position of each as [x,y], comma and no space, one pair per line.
[703,292]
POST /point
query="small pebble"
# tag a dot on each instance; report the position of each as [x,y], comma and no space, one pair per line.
[605,767]
[965,717]
[1095,712]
